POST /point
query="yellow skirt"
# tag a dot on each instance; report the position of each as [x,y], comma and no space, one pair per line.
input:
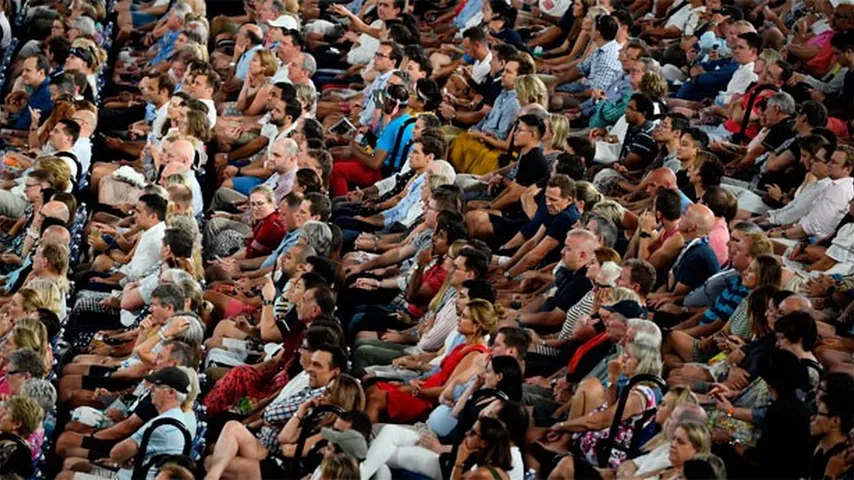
[469,155]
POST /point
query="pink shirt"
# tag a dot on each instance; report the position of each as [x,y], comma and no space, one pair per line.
[718,240]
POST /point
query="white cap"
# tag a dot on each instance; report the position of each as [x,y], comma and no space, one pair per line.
[285,21]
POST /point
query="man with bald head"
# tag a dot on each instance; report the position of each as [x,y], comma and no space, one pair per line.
[281,165]
[52,235]
[250,39]
[178,157]
[571,283]
[665,178]
[696,261]
[88,122]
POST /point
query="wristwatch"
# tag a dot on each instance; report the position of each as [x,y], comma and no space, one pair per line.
[266,302]
[645,235]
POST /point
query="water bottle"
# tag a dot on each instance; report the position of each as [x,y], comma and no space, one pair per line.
[530,474]
[538,51]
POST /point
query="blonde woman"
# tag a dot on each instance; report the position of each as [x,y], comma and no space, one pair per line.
[50,293]
[256,88]
[411,402]
[59,169]
[28,333]
[533,95]
[554,141]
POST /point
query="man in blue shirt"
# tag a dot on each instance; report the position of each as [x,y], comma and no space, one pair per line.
[695,263]
[387,156]
[543,236]
[421,156]
[35,78]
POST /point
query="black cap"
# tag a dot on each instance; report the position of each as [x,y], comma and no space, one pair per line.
[171,377]
[83,54]
[627,308]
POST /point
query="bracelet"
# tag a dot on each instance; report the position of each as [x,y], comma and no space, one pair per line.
[267,303]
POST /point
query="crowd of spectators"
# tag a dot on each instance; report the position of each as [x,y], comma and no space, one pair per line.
[374,239]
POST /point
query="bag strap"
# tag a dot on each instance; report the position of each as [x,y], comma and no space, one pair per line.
[398,139]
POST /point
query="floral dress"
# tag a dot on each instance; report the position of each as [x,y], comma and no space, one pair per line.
[589,442]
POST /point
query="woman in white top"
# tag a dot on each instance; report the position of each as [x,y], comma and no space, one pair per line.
[402,447]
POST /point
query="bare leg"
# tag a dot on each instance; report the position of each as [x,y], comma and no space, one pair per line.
[588,397]
[234,441]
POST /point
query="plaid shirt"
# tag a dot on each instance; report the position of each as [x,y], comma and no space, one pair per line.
[278,414]
[603,66]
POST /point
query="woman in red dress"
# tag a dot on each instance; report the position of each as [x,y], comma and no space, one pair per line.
[399,403]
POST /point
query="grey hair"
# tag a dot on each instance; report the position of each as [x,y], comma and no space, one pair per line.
[649,357]
[650,65]
[309,64]
[783,101]
[436,180]
[157,190]
[26,360]
[182,353]
[318,235]
[748,227]
[85,24]
[181,10]
[195,331]
[646,332]
[186,223]
[291,147]
[42,391]
[804,303]
[444,168]
[606,229]
[176,275]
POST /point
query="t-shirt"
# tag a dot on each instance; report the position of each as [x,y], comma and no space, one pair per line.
[697,263]
[726,302]
[387,140]
[557,226]
[779,134]
[165,440]
[533,167]
[571,286]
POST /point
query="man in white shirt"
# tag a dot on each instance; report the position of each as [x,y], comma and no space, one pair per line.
[151,213]
[476,45]
[88,121]
[62,139]
[745,50]
[201,85]
[830,205]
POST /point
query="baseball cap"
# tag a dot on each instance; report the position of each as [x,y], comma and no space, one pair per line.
[350,441]
[285,21]
[627,308]
[172,377]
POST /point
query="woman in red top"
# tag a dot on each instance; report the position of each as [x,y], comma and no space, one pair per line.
[268,226]
[409,403]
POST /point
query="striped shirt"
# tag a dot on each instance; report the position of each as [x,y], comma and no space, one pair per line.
[726,303]
[581,308]
[639,141]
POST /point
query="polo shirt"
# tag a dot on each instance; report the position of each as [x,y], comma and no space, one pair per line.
[570,288]
[266,235]
[726,302]
[696,263]
[39,100]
